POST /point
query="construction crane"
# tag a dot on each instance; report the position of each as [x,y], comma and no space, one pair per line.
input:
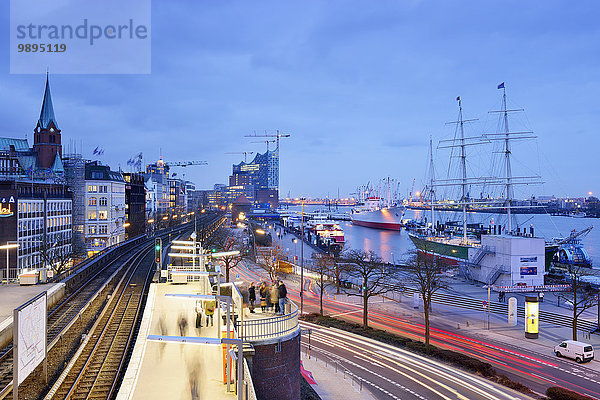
[276,135]
[245,153]
[265,141]
[183,163]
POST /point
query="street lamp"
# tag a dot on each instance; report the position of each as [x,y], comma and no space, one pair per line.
[7,247]
[294,240]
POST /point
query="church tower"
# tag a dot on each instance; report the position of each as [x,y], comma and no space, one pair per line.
[47,138]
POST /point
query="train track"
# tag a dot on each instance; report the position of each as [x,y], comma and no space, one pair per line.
[95,371]
[81,309]
[62,314]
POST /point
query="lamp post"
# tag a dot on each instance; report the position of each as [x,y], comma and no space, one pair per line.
[294,240]
[7,247]
[302,256]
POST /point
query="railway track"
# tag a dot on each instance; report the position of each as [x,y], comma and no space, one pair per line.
[95,371]
[74,316]
[60,316]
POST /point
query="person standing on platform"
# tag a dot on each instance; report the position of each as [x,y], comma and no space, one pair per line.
[251,296]
[182,322]
[275,297]
[282,297]
[209,311]
[199,316]
[263,296]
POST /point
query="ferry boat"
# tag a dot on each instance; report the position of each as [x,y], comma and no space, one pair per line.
[327,233]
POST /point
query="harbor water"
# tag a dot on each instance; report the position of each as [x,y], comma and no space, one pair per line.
[394,246]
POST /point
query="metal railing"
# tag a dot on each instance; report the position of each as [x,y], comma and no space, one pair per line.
[271,327]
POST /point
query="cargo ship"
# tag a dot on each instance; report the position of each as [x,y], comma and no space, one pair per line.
[372,215]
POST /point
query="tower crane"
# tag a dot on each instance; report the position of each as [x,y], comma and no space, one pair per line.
[183,163]
[245,153]
[276,135]
[265,141]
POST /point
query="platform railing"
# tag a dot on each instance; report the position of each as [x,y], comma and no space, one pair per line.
[257,329]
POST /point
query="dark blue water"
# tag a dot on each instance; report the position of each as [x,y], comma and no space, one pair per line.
[393,246]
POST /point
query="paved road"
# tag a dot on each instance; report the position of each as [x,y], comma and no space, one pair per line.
[392,373]
[535,370]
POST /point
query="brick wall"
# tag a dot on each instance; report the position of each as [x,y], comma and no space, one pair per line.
[276,370]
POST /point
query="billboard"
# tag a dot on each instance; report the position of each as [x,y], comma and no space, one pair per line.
[29,331]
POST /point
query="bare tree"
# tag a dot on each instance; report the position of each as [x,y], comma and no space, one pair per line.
[269,258]
[369,268]
[57,253]
[226,240]
[581,296]
[323,267]
[425,275]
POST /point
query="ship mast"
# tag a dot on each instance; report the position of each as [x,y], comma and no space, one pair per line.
[507,160]
[431,189]
[506,136]
[463,165]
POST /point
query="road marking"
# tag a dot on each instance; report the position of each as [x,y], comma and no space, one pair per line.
[345,313]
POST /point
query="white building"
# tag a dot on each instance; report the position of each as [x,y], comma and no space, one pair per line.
[509,260]
[105,207]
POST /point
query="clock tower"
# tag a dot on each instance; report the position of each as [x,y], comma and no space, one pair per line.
[47,138]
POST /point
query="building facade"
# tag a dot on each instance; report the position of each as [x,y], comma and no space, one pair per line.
[258,180]
[105,207]
[135,205]
[38,217]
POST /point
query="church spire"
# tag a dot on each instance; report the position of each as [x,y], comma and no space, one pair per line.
[47,113]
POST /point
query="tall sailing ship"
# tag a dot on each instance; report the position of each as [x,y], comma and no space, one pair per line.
[451,242]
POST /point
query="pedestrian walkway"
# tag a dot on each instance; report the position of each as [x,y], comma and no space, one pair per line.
[332,383]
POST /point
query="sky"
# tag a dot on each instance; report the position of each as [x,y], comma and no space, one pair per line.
[359,85]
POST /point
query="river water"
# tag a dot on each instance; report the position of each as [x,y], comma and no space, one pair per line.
[394,246]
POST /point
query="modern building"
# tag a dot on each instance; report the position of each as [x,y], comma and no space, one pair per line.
[135,205]
[38,217]
[260,176]
[105,207]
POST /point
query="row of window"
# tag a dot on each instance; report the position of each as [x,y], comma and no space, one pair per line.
[97,189]
[92,215]
[38,206]
[94,201]
[100,229]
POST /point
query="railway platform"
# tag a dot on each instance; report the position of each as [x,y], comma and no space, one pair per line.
[174,370]
[13,295]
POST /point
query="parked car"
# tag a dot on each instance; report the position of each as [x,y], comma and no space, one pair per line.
[578,351]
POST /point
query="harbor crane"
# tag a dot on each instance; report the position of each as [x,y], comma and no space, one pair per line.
[245,153]
[574,236]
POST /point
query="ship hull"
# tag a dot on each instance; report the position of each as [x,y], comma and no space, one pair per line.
[455,254]
[450,253]
[387,219]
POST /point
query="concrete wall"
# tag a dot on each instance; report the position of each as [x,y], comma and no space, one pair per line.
[276,369]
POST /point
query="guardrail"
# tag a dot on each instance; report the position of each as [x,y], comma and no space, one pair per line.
[271,327]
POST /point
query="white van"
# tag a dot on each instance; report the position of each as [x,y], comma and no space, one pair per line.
[578,351]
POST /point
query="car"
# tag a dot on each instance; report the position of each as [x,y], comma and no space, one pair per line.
[578,351]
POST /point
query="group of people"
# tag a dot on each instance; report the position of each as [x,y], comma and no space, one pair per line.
[271,297]
[205,309]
